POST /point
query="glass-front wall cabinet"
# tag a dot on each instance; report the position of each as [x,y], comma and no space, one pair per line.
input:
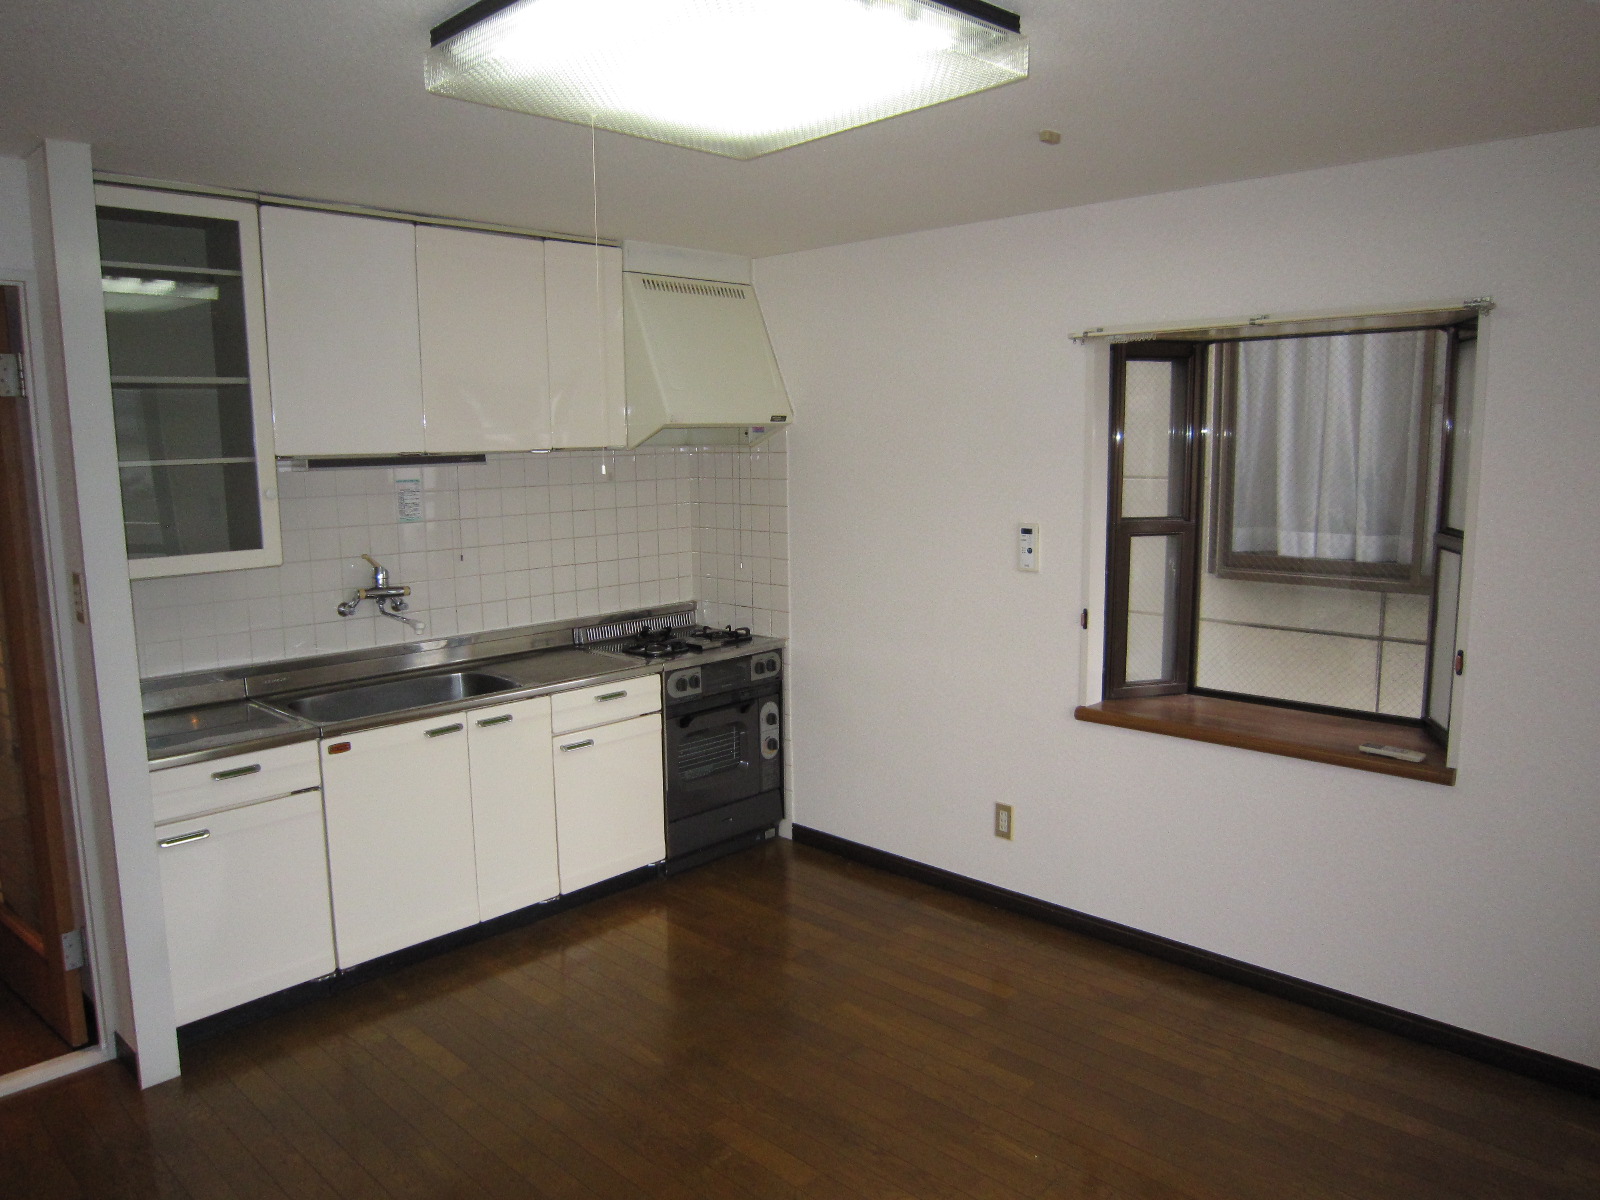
[181,277]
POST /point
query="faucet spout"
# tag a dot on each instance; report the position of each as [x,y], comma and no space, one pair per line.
[382,593]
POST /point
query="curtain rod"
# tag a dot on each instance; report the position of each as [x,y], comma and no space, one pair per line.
[1222,326]
[356,210]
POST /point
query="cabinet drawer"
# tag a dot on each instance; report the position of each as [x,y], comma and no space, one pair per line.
[604,703]
[246,897]
[180,792]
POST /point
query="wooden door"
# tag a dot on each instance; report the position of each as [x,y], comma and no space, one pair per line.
[36,899]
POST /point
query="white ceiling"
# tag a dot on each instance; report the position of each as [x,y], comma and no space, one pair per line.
[324,99]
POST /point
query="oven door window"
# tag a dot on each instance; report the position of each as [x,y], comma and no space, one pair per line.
[710,759]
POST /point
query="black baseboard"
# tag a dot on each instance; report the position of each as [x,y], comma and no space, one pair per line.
[1534,1064]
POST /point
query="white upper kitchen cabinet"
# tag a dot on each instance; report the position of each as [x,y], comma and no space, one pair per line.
[583,301]
[187,352]
[343,338]
[485,372]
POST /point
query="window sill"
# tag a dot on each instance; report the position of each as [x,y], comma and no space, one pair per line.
[1317,737]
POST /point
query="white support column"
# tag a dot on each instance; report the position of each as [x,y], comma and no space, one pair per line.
[112,761]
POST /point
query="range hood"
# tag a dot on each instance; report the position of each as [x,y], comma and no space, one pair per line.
[699,367]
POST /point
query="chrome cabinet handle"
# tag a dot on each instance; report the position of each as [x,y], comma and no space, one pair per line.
[579,745]
[502,719]
[444,729]
[198,835]
[236,772]
[609,696]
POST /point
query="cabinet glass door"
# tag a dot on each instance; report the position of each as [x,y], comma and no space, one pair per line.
[182,290]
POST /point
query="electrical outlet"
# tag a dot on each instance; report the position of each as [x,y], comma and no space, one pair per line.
[1002,821]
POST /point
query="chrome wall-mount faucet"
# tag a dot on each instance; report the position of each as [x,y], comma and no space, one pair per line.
[390,598]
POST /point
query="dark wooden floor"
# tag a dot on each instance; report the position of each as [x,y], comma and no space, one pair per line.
[25,1040]
[788,1024]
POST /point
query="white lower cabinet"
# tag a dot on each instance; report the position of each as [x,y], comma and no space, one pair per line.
[400,844]
[609,816]
[513,805]
[246,896]
[418,829]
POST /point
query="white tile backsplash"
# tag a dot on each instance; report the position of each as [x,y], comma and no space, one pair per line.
[741,538]
[1333,637]
[1290,605]
[517,540]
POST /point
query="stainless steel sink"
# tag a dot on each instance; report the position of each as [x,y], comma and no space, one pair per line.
[394,695]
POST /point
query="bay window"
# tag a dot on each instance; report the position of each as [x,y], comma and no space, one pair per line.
[1284,531]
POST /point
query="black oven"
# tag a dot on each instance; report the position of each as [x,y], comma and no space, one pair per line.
[722,723]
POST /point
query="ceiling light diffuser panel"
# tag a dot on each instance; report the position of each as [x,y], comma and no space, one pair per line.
[740,78]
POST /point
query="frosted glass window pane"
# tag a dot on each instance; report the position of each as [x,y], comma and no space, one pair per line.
[1400,686]
[1287,664]
[1441,674]
[1152,439]
[1152,607]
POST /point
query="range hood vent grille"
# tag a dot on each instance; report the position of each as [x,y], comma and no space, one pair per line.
[693,287]
[699,368]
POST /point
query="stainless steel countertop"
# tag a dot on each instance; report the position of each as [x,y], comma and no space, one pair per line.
[232,725]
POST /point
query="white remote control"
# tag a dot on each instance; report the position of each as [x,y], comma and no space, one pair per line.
[1400,752]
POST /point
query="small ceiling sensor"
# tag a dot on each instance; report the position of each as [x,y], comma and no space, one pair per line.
[1050,137]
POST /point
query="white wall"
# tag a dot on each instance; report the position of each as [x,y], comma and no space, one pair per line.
[940,402]
[16,231]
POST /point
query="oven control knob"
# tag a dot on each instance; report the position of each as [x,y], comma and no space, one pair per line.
[770,743]
[760,667]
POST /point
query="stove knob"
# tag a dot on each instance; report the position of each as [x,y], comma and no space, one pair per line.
[772,745]
[694,681]
[772,718]
[760,667]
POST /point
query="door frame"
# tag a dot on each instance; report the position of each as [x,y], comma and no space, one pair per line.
[89,844]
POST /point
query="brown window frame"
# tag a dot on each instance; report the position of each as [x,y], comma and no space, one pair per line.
[1227,563]
[1174,705]
[1185,524]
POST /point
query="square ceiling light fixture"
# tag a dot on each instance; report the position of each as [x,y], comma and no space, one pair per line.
[736,77]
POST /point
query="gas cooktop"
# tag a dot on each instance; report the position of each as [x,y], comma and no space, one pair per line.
[655,645]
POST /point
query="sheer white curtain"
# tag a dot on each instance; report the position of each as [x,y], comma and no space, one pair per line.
[1327,445]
